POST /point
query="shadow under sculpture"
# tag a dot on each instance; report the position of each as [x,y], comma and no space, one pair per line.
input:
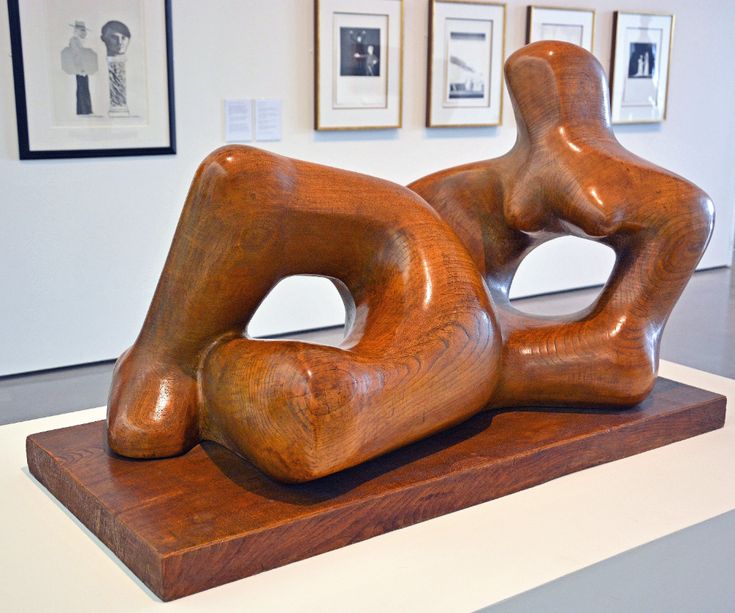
[427,345]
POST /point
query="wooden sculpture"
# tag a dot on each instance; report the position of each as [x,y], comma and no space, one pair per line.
[568,175]
[422,350]
[427,345]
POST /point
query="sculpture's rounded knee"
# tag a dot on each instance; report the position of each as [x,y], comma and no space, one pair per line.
[152,409]
[253,173]
[287,406]
[233,158]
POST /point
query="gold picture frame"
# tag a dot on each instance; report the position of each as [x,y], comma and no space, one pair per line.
[456,105]
[640,93]
[563,17]
[362,90]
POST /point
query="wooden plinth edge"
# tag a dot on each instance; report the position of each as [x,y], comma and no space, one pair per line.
[190,523]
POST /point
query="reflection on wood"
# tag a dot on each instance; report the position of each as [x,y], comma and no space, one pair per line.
[427,345]
[568,175]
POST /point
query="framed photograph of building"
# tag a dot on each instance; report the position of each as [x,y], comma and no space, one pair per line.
[465,64]
[93,78]
[570,25]
[358,64]
[641,58]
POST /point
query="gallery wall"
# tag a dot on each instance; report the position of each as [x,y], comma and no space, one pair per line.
[82,242]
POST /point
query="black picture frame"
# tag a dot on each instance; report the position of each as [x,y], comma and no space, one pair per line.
[27,152]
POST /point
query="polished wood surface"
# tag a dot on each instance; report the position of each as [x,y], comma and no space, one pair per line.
[192,522]
[427,345]
[568,175]
[421,354]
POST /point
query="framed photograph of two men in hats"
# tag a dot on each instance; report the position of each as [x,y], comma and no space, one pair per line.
[93,78]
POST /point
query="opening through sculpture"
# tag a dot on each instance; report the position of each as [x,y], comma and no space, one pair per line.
[424,271]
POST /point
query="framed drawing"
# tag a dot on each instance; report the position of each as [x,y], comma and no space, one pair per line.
[465,65]
[641,57]
[556,23]
[93,78]
[358,64]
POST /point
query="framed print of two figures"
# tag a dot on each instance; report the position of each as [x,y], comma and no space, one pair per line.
[640,67]
[93,78]
[569,25]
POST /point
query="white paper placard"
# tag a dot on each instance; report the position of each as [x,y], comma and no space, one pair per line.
[268,119]
[238,121]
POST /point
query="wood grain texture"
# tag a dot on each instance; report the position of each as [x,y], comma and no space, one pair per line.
[417,311]
[568,175]
[427,345]
[199,520]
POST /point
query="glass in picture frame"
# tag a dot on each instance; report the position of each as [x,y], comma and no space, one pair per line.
[571,25]
[93,78]
[358,64]
[465,63]
[640,65]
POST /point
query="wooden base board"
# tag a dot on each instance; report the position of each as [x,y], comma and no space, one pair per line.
[193,522]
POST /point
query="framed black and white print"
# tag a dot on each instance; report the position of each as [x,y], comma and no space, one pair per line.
[641,59]
[93,78]
[570,25]
[358,64]
[465,64]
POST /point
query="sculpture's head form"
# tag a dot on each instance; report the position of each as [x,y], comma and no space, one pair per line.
[554,84]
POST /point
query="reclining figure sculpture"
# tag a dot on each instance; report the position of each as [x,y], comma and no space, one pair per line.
[431,338]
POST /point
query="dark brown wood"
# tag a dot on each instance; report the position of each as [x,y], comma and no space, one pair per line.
[616,16]
[418,316]
[568,175]
[427,345]
[192,522]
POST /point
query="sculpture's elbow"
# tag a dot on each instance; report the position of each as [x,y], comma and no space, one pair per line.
[319,422]
[703,210]
[632,377]
[694,211]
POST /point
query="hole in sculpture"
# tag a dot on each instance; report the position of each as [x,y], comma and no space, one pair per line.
[296,307]
[561,264]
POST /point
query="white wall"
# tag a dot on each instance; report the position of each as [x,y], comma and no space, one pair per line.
[82,241]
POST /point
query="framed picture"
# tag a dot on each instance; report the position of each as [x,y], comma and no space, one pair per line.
[358,64]
[466,49]
[641,56]
[93,78]
[566,24]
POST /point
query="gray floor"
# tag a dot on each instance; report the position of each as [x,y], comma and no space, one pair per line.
[684,572]
[700,333]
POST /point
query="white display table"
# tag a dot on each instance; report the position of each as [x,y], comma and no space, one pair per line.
[459,562]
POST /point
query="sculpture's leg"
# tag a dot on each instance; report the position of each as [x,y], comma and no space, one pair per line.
[210,286]
[421,353]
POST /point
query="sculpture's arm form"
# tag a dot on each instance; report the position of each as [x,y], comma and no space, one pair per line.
[568,175]
[421,351]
